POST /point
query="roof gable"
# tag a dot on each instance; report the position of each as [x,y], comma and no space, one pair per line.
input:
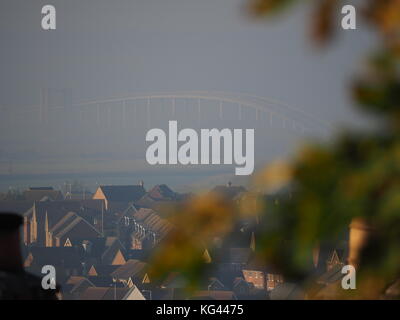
[162,192]
[134,294]
[75,227]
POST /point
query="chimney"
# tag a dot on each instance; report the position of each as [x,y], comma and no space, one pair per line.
[10,251]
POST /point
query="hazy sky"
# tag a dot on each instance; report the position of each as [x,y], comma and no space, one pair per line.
[109,48]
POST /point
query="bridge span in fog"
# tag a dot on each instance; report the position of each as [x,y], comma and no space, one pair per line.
[62,135]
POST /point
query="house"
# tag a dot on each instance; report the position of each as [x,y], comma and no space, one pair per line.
[232,259]
[104,281]
[106,293]
[262,279]
[145,228]
[224,266]
[69,231]
[103,251]
[133,272]
[119,194]
[39,219]
[43,216]
[134,294]
[125,225]
[71,195]
[214,284]
[37,194]
[328,254]
[287,291]
[74,287]
[173,280]
[338,258]
[241,287]
[141,254]
[158,196]
[168,294]
[101,270]
[213,295]
[66,260]
[113,255]
[327,281]
[334,274]
[260,275]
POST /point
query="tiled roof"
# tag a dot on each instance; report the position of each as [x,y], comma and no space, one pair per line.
[214,295]
[75,282]
[287,291]
[139,254]
[123,193]
[57,209]
[70,216]
[103,281]
[160,195]
[38,194]
[104,270]
[70,225]
[109,254]
[98,246]
[150,220]
[240,255]
[104,293]
[57,256]
[240,280]
[131,269]
[79,227]
[142,214]
[173,280]
[162,192]
[331,276]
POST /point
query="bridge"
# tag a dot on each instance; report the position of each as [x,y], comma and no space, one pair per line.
[263,111]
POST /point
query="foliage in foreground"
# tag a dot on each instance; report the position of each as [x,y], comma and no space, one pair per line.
[357,176]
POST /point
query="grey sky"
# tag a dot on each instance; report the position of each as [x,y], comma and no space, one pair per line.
[105,49]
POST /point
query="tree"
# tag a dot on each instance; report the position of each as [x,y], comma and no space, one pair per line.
[355,179]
